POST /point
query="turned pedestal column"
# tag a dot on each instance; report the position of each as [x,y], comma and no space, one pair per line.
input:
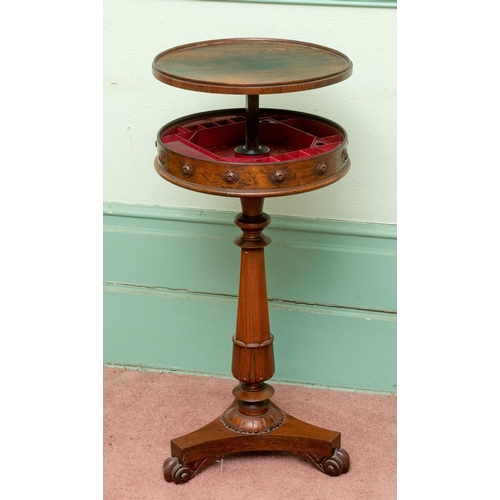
[253,357]
[253,422]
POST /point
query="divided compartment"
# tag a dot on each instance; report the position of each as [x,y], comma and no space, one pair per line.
[288,137]
[331,141]
[195,138]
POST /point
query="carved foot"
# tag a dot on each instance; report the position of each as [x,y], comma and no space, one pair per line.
[174,471]
[233,432]
[335,465]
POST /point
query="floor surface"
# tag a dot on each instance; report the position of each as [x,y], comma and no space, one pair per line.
[143,411]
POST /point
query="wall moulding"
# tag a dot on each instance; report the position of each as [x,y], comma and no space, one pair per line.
[343,3]
[171,286]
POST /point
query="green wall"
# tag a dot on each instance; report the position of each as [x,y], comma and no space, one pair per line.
[170,294]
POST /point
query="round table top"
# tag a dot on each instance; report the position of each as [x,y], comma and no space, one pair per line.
[251,66]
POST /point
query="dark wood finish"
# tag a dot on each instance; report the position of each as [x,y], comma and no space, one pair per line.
[253,422]
[287,169]
[192,452]
[220,153]
[251,66]
[253,357]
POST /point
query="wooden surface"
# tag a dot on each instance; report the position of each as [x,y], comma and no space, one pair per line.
[251,66]
[252,422]
[194,451]
[292,166]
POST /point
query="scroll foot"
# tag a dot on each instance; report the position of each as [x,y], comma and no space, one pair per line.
[334,465]
[175,472]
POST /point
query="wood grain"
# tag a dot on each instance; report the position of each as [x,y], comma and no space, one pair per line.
[251,66]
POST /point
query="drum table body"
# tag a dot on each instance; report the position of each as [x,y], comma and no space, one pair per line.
[252,153]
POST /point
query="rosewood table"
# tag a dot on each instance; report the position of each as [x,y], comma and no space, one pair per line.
[252,153]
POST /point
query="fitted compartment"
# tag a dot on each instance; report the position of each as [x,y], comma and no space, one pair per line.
[288,137]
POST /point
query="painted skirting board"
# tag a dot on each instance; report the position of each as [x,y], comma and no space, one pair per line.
[170,295]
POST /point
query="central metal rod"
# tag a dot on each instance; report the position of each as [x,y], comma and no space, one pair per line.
[252,146]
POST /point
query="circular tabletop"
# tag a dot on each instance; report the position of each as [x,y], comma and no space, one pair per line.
[251,66]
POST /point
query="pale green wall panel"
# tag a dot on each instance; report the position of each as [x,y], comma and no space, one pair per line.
[189,332]
[332,269]
[178,331]
[171,254]
[315,262]
[335,347]
[171,281]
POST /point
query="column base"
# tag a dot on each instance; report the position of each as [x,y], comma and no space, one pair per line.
[193,451]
